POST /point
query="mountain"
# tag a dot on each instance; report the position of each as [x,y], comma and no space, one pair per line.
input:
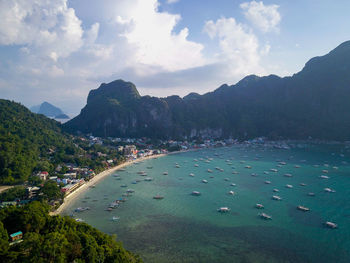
[24,138]
[312,103]
[49,110]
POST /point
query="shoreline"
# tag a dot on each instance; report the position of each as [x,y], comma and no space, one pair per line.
[69,198]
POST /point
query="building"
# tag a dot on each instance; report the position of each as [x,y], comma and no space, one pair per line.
[130,150]
[16,236]
[43,175]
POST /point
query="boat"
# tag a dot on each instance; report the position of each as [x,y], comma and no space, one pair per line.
[296,166]
[141,172]
[289,186]
[233,184]
[324,177]
[329,190]
[115,218]
[231,193]
[288,175]
[265,216]
[259,206]
[109,209]
[303,208]
[177,166]
[204,181]
[331,225]
[223,209]
[158,197]
[134,182]
[196,165]
[274,170]
[149,167]
[311,194]
[226,179]
[210,171]
[191,174]
[81,209]
[267,182]
[248,167]
[148,179]
[254,174]
[234,172]
[196,193]
[123,185]
[165,173]
[79,220]
[130,191]
[266,172]
[277,198]
[325,171]
[302,184]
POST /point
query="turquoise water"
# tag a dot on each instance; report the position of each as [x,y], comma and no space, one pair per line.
[186,228]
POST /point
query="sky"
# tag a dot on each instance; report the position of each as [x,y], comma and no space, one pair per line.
[58,50]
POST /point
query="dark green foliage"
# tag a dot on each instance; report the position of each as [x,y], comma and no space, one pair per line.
[13,193]
[24,137]
[55,239]
[313,102]
[50,191]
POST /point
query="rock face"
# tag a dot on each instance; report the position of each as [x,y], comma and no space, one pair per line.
[312,103]
[49,110]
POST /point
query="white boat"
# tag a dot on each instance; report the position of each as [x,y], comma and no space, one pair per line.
[303,208]
[297,166]
[302,184]
[204,181]
[254,174]
[325,171]
[329,190]
[226,179]
[289,186]
[177,166]
[275,190]
[288,175]
[233,184]
[324,177]
[210,171]
[196,193]
[130,191]
[277,198]
[311,194]
[265,216]
[331,225]
[234,172]
[267,182]
[115,218]
[248,167]
[223,209]
[79,220]
[191,174]
[148,179]
[231,193]
[165,173]
[259,206]
[158,197]
[274,170]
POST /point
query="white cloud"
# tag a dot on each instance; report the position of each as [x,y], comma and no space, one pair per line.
[151,32]
[172,1]
[239,46]
[49,26]
[264,17]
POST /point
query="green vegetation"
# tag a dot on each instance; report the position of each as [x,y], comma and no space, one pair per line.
[312,103]
[13,193]
[55,238]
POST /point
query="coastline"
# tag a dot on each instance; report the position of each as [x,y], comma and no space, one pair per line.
[69,198]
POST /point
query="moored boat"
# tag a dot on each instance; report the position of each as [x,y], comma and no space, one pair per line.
[303,208]
[195,193]
[223,209]
[265,216]
[158,197]
[331,225]
[259,206]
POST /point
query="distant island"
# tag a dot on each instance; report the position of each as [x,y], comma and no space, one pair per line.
[49,110]
[310,104]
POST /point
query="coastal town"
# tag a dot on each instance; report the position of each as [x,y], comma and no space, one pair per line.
[67,177]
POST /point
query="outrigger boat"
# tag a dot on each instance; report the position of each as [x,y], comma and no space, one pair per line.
[265,216]
[259,206]
[158,197]
[303,208]
[331,225]
[223,209]
[277,198]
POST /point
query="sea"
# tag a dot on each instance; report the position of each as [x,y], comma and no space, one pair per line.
[183,227]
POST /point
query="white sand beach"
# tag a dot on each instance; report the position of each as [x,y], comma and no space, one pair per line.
[69,198]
